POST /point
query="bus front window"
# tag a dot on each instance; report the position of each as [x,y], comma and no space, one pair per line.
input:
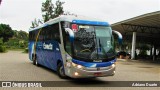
[92,43]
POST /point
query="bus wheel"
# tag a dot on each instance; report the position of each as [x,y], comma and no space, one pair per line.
[60,71]
[35,61]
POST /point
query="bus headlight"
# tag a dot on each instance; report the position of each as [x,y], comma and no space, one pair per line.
[73,64]
[68,64]
[113,65]
[77,66]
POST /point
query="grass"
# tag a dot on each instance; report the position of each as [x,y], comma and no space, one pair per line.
[15,49]
[4,51]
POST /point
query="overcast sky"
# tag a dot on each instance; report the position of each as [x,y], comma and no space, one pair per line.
[19,13]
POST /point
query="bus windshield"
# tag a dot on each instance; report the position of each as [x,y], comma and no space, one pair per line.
[93,43]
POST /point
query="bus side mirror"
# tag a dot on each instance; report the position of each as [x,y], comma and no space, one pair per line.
[119,36]
[71,34]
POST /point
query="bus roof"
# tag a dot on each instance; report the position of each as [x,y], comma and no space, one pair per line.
[73,19]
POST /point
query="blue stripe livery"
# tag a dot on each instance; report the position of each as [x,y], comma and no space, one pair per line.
[90,22]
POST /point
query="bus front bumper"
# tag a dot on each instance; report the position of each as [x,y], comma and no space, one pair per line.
[75,72]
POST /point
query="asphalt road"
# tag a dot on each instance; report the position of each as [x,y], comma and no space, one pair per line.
[15,66]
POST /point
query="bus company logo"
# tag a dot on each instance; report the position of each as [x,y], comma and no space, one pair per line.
[47,46]
[21,84]
[97,60]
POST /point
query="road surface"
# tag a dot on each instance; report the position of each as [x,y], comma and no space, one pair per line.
[15,66]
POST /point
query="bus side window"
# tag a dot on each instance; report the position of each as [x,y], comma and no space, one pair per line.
[49,31]
[30,36]
[67,43]
[44,34]
[54,33]
[40,37]
[33,35]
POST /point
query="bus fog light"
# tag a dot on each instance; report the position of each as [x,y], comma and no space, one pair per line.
[77,66]
[76,73]
[114,72]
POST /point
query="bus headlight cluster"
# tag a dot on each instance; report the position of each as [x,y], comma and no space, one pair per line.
[113,65]
[77,66]
[68,64]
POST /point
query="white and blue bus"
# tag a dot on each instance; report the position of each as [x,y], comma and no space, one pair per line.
[74,46]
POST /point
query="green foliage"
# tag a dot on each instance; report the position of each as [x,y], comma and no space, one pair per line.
[2,48]
[5,32]
[12,39]
[26,50]
[36,23]
[49,11]
[143,54]
[143,50]
[18,41]
[20,35]
[143,46]
[58,9]
[1,43]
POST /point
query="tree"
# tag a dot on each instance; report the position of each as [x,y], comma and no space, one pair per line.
[19,40]
[22,35]
[6,32]
[143,50]
[47,10]
[36,23]
[50,11]
[58,9]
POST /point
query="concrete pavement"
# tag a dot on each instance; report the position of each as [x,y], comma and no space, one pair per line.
[15,66]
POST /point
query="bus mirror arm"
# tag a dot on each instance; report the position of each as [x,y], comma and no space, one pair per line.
[71,34]
[119,36]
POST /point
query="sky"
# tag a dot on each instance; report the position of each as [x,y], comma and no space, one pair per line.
[20,13]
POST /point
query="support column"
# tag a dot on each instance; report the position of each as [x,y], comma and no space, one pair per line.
[154,53]
[151,51]
[133,45]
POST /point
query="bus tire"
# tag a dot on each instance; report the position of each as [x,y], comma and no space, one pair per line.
[60,71]
[35,60]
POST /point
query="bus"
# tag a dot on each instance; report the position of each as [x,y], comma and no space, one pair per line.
[74,46]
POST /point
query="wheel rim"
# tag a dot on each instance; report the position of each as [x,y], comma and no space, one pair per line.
[36,61]
[61,71]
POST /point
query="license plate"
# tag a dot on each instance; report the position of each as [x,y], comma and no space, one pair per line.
[98,74]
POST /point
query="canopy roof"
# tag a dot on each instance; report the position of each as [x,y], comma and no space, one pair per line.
[147,27]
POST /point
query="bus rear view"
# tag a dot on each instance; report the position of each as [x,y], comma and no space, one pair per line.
[86,48]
